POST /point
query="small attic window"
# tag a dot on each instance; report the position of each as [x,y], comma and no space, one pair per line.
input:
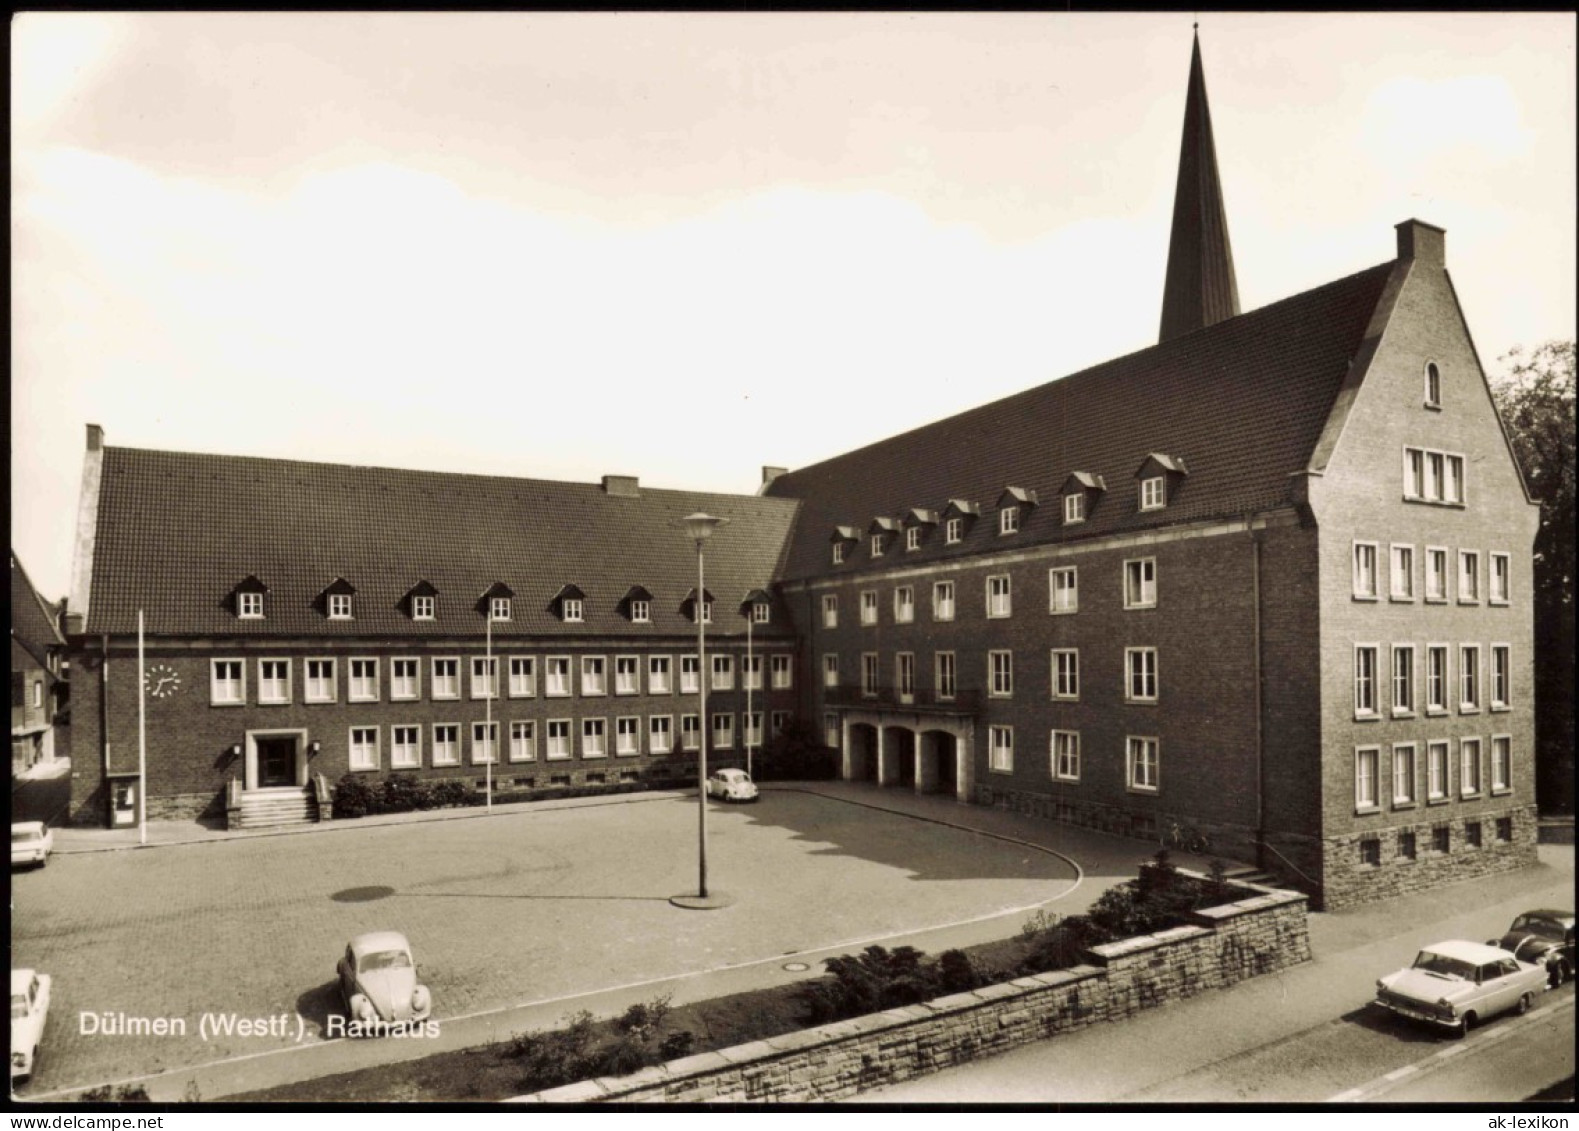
[843,536]
[1074,508]
[496,601]
[1433,385]
[913,538]
[1013,505]
[877,545]
[571,610]
[1158,477]
[1080,491]
[641,611]
[337,599]
[688,607]
[953,530]
[568,605]
[499,608]
[637,605]
[1153,493]
[422,608]
[838,553]
[1009,520]
[760,612]
[249,606]
[421,601]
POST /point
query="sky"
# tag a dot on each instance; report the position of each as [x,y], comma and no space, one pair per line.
[683,246]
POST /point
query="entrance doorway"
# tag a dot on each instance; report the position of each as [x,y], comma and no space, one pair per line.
[276,762]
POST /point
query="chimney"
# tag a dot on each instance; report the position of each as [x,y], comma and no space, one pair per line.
[95,438]
[621,486]
[769,474]
[1422,242]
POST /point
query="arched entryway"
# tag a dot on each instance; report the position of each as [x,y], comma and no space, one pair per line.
[899,757]
[861,753]
[937,763]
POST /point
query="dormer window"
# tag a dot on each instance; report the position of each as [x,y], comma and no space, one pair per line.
[641,612]
[953,530]
[422,608]
[1074,509]
[838,553]
[637,605]
[913,538]
[572,609]
[335,601]
[1159,477]
[916,524]
[756,606]
[569,605]
[759,612]
[1153,493]
[1080,491]
[957,517]
[880,530]
[843,537]
[688,607]
[877,545]
[248,598]
[1013,505]
[1009,520]
[1433,385]
[499,608]
[421,601]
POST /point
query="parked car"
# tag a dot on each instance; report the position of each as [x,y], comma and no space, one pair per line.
[731,785]
[378,982]
[1457,984]
[1545,938]
[31,843]
[29,1008]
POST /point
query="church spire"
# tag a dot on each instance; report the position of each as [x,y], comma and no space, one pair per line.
[1200,288]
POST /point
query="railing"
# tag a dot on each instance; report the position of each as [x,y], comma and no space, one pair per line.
[890,698]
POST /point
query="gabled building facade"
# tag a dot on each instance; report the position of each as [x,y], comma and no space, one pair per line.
[38,675]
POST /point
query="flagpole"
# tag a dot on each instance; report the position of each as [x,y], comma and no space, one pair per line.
[142,739]
[493,685]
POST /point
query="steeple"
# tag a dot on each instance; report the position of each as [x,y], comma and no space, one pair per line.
[1200,288]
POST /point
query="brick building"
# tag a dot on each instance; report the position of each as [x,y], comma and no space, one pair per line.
[1269,579]
[38,676]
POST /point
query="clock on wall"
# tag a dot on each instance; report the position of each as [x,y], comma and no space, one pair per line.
[161,681]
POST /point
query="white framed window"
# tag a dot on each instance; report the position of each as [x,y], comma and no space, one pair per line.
[499,608]
[838,553]
[405,747]
[905,676]
[1436,784]
[249,606]
[760,611]
[723,673]
[1403,679]
[1140,583]
[1501,763]
[1365,571]
[830,610]
[953,531]
[485,743]
[485,677]
[1436,679]
[571,610]
[1367,762]
[523,677]
[594,675]
[1433,477]
[1000,668]
[1009,520]
[556,676]
[830,669]
[690,675]
[944,673]
[877,545]
[660,675]
[1401,576]
[1142,764]
[777,722]
[627,675]
[913,538]
[627,736]
[999,597]
[1153,493]
[1066,673]
[1074,508]
[1433,385]
[363,687]
[1063,590]
[1140,675]
[523,741]
[1468,767]
[339,606]
[422,608]
[751,672]
[641,611]
[558,739]
[904,604]
[1501,570]
[782,672]
[227,683]
[869,674]
[1469,678]
[751,727]
[942,600]
[1403,773]
[1501,677]
[1066,755]
[320,683]
[830,731]
[594,738]
[446,744]
[690,732]
[446,677]
[868,606]
[274,681]
[364,748]
[1469,577]
[660,734]
[1365,676]
[723,731]
[1435,573]
[405,678]
[1000,754]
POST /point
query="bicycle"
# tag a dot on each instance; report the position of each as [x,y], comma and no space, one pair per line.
[1186,838]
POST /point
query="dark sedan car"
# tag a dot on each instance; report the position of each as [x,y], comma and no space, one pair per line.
[1545,938]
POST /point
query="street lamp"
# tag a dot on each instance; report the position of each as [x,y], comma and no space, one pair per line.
[700,527]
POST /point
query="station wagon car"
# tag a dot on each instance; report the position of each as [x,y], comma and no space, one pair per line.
[731,785]
[31,843]
[29,1009]
[1456,985]
[1545,938]
[378,982]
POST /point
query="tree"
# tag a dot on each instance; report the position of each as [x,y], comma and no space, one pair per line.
[1536,400]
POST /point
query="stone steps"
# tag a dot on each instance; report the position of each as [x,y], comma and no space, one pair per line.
[270,809]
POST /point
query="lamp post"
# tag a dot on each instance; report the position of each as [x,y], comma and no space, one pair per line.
[700,527]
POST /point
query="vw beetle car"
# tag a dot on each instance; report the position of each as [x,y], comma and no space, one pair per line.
[731,785]
[378,981]
[1545,938]
[1456,985]
[29,1008]
[31,843]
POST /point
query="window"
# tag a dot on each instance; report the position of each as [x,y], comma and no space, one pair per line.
[1141,763]
[594,676]
[751,672]
[1001,753]
[869,674]
[1063,593]
[405,747]
[1433,477]
[830,611]
[723,673]
[690,675]
[405,680]
[660,734]
[782,672]
[422,608]
[523,741]
[953,530]
[446,678]
[1472,837]
[1403,679]
[1140,583]
[998,596]
[777,722]
[38,693]
[1504,828]
[485,677]
[339,606]
[1435,573]
[760,612]
[1501,764]
[838,553]
[627,675]
[1468,767]
[1469,577]
[1501,564]
[1436,679]
[1140,675]
[904,605]
[1433,385]
[499,608]
[1436,771]
[877,545]
[446,744]
[1366,760]
[1402,574]
[570,610]
[320,682]
[274,681]
[1441,840]
[944,671]
[1406,846]
[868,606]
[1500,661]
[1009,520]
[627,736]
[1365,571]
[830,669]
[1371,852]
[226,682]
[830,731]
[1153,493]
[1066,673]
[943,600]
[913,538]
[723,731]
[485,743]
[556,676]
[364,680]
[905,676]
[523,677]
[249,606]
[1074,508]
[1404,773]
[1469,678]
[1001,666]
[558,738]
[659,678]
[707,612]
[593,739]
[1066,755]
[1365,680]
[751,728]
[364,748]
[641,611]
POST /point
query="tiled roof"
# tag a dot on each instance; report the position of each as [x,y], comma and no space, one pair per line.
[178,531]
[32,618]
[1240,402]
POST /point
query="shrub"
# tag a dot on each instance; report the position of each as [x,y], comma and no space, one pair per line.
[577,1052]
[120,1093]
[454,793]
[354,796]
[957,973]
[796,753]
[403,793]
[874,980]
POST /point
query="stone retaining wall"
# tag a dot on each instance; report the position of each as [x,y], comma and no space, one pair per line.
[1219,947]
